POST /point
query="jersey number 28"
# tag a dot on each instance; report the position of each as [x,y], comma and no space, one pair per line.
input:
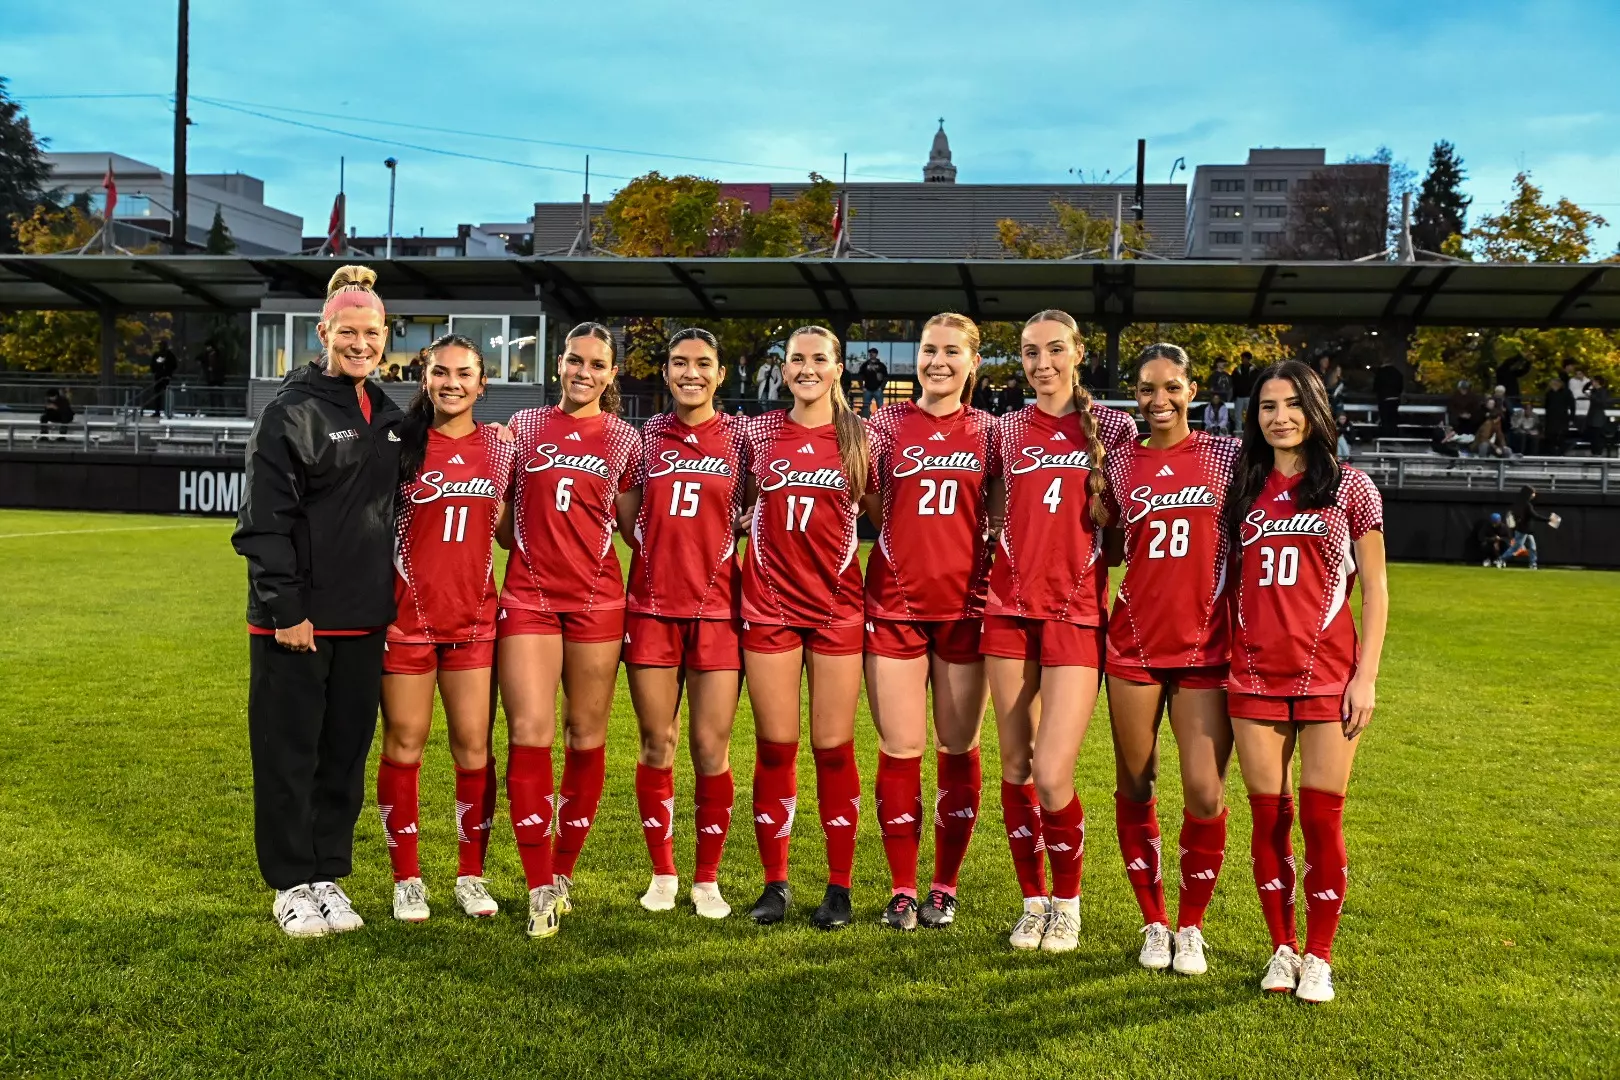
[1179,532]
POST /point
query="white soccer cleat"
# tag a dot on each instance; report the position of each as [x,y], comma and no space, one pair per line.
[472,893]
[1062,927]
[708,901]
[1027,931]
[335,907]
[410,900]
[545,914]
[1155,954]
[1282,973]
[660,895]
[562,883]
[1190,951]
[1315,981]
[297,913]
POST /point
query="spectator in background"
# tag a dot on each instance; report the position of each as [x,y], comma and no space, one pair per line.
[874,377]
[1344,425]
[1335,388]
[1465,409]
[391,373]
[1597,415]
[213,365]
[1220,383]
[1094,375]
[983,397]
[1508,374]
[1495,540]
[1559,409]
[418,364]
[1445,442]
[768,379]
[1575,379]
[58,411]
[1491,438]
[1522,518]
[1524,434]
[163,364]
[1242,386]
[1217,415]
[1011,398]
[1388,386]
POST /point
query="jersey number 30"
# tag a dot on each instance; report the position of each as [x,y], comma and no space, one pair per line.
[1279,566]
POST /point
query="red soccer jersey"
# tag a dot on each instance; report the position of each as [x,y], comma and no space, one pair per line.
[1050,565]
[931,560]
[444,577]
[1171,610]
[801,568]
[1295,635]
[569,471]
[685,562]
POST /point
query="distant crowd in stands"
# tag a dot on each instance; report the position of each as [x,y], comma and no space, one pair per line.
[1504,423]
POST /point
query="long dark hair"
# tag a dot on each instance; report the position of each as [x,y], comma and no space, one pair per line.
[413,430]
[1320,484]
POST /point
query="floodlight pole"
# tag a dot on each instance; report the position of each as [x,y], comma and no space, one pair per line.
[393,175]
[177,234]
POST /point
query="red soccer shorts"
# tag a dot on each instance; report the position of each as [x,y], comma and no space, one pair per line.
[424,658]
[581,626]
[1188,678]
[955,641]
[1053,643]
[1315,709]
[696,644]
[826,640]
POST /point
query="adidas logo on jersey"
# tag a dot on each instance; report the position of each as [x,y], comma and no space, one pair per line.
[1060,437]
[691,439]
[574,436]
[1165,471]
[1283,497]
[456,460]
[807,448]
[938,436]
[903,819]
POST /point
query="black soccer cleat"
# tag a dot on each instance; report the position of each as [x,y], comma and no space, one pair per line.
[901,914]
[938,911]
[772,905]
[834,912]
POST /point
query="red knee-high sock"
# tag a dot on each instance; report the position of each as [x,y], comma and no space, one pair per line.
[956,811]
[1065,847]
[776,799]
[1139,842]
[529,793]
[486,810]
[1203,849]
[655,801]
[1022,815]
[899,810]
[577,799]
[838,800]
[715,795]
[1271,853]
[397,803]
[1321,819]
[475,811]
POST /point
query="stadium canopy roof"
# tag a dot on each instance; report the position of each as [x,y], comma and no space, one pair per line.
[843,290]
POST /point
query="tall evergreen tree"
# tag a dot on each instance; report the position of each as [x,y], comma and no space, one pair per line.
[1442,208]
[220,241]
[24,173]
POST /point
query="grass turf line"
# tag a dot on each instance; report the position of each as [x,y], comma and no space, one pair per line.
[135,938]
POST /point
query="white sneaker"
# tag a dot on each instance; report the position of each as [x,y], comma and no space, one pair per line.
[472,893]
[1315,981]
[335,907]
[1282,974]
[562,883]
[1027,931]
[708,901]
[1487,562]
[296,912]
[660,895]
[410,900]
[1062,926]
[1190,951]
[545,913]
[1155,954]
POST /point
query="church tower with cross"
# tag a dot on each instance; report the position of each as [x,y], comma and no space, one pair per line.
[939,169]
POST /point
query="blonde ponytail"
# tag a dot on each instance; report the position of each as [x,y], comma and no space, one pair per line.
[1097,481]
[352,276]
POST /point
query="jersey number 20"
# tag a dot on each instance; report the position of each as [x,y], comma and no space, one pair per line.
[938,497]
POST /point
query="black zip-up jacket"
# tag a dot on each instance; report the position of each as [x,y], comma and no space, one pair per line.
[316,523]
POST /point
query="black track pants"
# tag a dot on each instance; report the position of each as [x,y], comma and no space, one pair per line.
[311,718]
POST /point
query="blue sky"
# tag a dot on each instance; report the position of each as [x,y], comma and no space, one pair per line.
[1027,94]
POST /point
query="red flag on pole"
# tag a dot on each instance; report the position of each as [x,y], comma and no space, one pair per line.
[109,184]
[335,227]
[837,221]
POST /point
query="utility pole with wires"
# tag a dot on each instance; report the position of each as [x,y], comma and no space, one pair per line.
[178,244]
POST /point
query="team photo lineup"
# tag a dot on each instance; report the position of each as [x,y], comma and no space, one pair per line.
[370,533]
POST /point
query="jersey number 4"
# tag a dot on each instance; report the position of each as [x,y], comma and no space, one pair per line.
[1179,533]
[1279,566]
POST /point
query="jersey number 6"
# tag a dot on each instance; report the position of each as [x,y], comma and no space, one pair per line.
[565,493]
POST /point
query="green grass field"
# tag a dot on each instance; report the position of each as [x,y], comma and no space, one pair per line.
[1479,938]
